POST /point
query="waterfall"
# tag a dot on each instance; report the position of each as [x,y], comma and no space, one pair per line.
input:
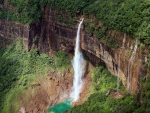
[118,79]
[118,74]
[124,39]
[128,78]
[78,65]
[129,67]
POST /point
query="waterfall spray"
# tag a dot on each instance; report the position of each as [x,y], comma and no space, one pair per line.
[129,65]
[78,65]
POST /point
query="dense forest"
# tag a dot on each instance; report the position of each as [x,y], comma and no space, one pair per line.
[19,68]
[131,17]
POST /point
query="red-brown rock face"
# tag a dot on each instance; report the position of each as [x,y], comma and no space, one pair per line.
[111,58]
[10,31]
[49,35]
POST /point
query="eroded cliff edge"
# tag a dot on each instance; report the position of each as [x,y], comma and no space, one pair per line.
[49,35]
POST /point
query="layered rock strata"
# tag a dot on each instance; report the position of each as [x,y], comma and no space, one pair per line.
[49,36]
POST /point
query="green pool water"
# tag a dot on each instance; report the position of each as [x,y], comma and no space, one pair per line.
[61,107]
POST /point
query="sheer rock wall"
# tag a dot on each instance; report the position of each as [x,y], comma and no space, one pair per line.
[49,36]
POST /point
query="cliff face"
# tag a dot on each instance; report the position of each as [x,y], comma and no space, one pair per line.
[49,36]
[10,31]
[122,62]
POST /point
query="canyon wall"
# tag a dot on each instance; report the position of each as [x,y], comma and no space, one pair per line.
[49,36]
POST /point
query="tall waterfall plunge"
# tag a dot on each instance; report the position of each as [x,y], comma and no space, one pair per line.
[78,65]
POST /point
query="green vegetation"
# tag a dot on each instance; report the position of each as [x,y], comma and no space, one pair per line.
[145,93]
[67,21]
[18,69]
[24,11]
[103,80]
[131,17]
[99,102]
[100,33]
[61,60]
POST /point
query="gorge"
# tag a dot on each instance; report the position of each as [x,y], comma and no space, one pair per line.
[113,37]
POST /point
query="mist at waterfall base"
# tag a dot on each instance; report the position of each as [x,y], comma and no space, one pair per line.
[78,66]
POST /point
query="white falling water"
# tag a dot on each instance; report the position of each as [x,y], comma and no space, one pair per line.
[128,78]
[124,39]
[118,74]
[78,65]
[129,66]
